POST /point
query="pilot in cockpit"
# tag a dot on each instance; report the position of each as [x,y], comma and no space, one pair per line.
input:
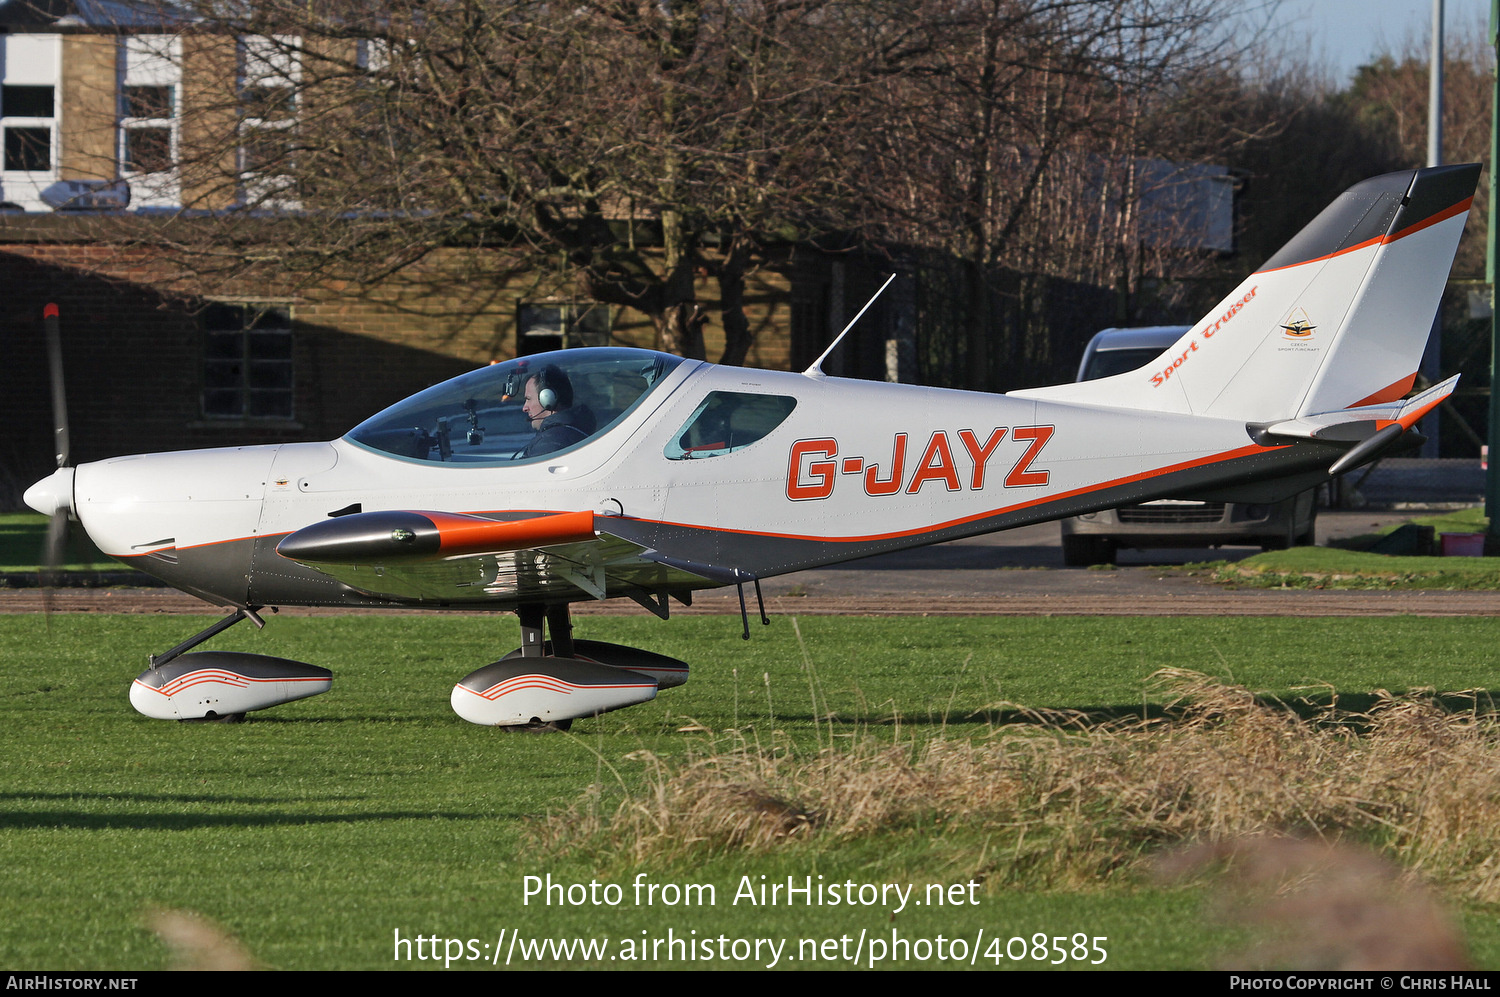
[549,406]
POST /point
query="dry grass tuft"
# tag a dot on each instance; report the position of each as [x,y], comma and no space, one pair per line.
[1325,907]
[197,944]
[1062,802]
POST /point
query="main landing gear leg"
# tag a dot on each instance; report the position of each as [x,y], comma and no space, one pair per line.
[544,685]
[532,645]
[251,613]
[534,649]
[560,626]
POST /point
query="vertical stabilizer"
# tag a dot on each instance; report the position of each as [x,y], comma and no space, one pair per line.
[1339,317]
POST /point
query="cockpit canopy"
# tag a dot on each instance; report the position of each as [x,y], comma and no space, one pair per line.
[478,418]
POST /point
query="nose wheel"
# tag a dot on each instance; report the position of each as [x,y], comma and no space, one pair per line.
[539,727]
[222,686]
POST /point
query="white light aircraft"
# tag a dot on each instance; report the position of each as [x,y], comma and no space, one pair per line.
[602,473]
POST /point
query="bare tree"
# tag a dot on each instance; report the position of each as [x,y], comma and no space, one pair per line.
[629,148]
[1016,94]
[1388,98]
[1023,137]
[636,146]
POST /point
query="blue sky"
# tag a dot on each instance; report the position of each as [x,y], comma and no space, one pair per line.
[1345,33]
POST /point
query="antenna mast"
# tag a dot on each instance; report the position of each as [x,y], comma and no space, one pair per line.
[816,370]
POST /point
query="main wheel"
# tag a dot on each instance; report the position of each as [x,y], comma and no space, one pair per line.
[537,726]
[1283,542]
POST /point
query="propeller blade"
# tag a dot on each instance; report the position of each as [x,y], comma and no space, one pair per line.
[59,396]
[55,552]
[54,556]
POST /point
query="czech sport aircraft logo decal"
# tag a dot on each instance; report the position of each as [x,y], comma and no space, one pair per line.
[1297,327]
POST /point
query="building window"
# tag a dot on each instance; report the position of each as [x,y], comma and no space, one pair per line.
[25,101]
[28,148]
[270,72]
[147,123]
[372,55]
[150,119]
[30,82]
[560,325]
[27,113]
[247,362]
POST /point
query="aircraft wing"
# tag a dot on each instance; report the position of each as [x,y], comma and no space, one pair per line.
[446,557]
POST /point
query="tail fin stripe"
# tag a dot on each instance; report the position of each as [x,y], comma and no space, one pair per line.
[1436,190]
[1381,240]
[1433,219]
[1358,218]
[1389,393]
[1343,251]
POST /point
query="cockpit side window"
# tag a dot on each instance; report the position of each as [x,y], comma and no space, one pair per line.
[727,421]
[520,410]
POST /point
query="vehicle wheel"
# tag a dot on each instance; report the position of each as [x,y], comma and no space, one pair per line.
[1283,542]
[1081,552]
[1310,537]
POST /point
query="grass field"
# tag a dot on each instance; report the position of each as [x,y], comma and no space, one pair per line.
[321,832]
[23,536]
[1331,568]
[1348,565]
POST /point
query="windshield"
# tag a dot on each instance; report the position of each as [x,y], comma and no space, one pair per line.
[519,410]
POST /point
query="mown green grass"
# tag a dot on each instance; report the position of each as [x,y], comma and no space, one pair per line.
[1349,566]
[1328,567]
[23,537]
[1472,520]
[318,829]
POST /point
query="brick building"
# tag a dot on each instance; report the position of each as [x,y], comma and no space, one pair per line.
[93,134]
[150,367]
[91,110]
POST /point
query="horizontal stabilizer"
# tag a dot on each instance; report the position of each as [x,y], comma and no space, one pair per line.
[1355,425]
[1370,428]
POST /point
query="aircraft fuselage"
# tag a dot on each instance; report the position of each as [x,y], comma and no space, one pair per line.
[856,468]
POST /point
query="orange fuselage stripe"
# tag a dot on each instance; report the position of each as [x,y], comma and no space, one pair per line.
[492,536]
[461,534]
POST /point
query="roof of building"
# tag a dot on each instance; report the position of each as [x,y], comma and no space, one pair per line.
[31,16]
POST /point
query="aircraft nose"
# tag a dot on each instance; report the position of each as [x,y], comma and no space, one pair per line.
[53,493]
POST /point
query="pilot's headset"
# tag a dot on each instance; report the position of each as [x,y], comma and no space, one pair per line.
[553,389]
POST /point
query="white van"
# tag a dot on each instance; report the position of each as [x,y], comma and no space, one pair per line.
[1094,537]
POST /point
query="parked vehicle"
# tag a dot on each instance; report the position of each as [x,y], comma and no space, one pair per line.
[1094,537]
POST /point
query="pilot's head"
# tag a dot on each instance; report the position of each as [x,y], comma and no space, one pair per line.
[548,392]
